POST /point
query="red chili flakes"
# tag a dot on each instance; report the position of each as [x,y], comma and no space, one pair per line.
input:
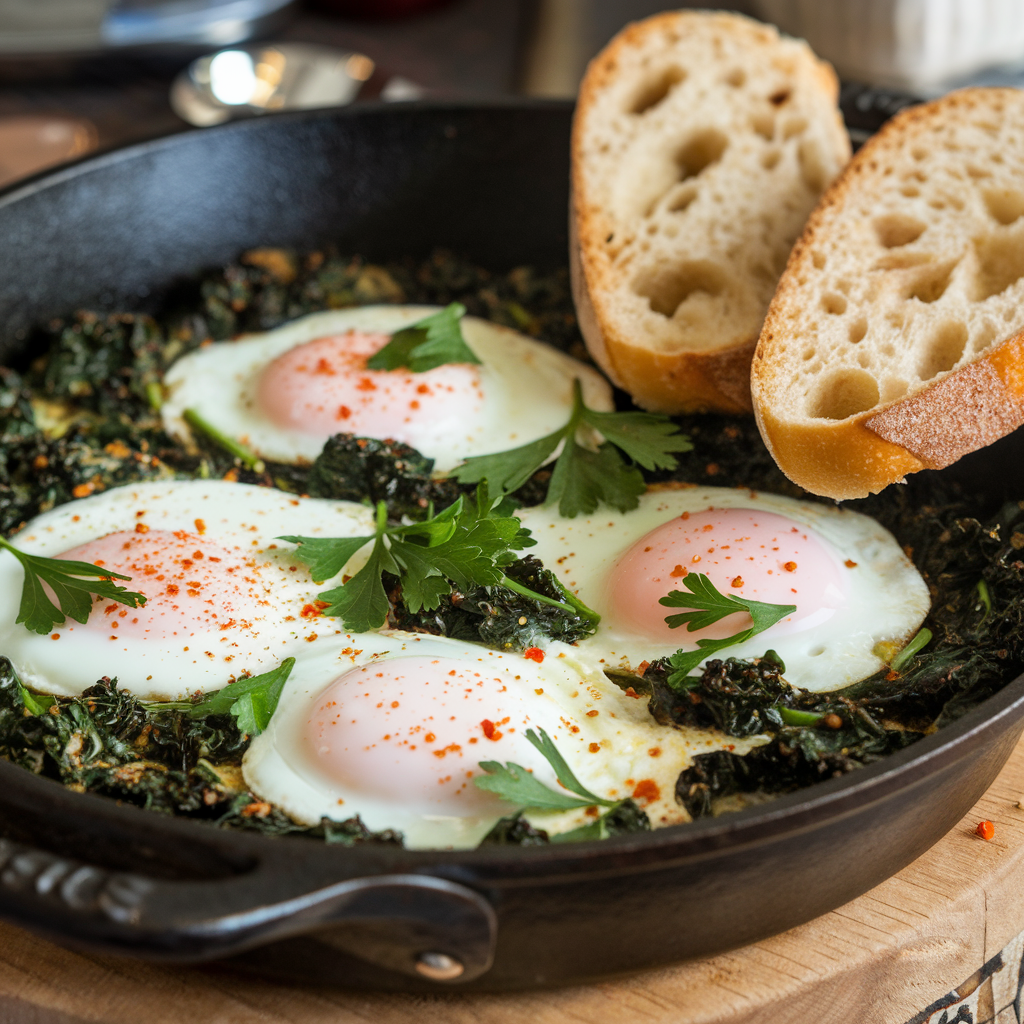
[850,564]
[737,582]
[231,476]
[642,668]
[324,368]
[534,654]
[593,713]
[365,384]
[141,528]
[452,748]
[429,738]
[423,389]
[55,636]
[679,571]
[685,515]
[646,789]
[311,638]
[313,611]
[654,752]
[343,413]
[789,566]
[200,527]
[257,809]
[594,747]
[630,692]
[83,490]
[172,589]
[986,830]
[491,731]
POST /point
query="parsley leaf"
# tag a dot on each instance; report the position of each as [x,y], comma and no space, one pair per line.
[252,700]
[515,784]
[74,596]
[467,544]
[586,475]
[430,342]
[708,605]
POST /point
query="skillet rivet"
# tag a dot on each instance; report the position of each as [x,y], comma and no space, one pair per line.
[439,966]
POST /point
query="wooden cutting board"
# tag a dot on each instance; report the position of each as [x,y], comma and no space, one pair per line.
[940,943]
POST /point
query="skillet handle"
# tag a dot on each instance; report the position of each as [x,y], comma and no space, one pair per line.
[418,925]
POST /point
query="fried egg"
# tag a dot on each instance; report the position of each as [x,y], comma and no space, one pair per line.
[285,392]
[223,597]
[851,583]
[392,726]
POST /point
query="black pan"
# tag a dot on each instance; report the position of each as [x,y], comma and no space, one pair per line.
[489,182]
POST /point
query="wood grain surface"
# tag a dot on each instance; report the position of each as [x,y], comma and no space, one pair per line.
[886,958]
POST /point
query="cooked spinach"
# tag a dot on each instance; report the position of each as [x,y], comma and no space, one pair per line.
[84,417]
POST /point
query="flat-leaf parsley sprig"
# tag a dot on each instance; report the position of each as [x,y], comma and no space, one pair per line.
[708,605]
[585,476]
[467,544]
[74,595]
[251,700]
[514,783]
[430,342]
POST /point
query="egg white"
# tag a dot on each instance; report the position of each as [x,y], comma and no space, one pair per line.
[887,603]
[558,693]
[242,518]
[527,387]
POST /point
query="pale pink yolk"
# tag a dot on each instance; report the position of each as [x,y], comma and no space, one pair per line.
[411,730]
[191,586]
[324,388]
[751,554]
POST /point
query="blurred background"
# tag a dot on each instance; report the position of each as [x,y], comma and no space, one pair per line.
[80,75]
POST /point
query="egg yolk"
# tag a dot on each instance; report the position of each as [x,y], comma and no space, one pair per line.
[746,553]
[190,584]
[324,387]
[412,731]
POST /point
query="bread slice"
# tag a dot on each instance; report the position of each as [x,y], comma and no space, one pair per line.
[895,341]
[701,142]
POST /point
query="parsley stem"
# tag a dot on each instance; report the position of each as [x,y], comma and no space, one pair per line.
[922,639]
[984,597]
[155,395]
[793,717]
[229,444]
[579,609]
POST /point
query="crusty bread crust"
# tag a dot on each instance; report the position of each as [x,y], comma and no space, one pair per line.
[977,401]
[675,378]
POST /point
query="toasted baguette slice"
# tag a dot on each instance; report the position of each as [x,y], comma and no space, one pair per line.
[895,341]
[701,143]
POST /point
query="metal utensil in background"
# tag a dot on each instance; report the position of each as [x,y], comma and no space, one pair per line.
[28,27]
[34,142]
[246,81]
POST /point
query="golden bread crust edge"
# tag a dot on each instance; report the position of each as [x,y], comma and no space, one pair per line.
[666,382]
[962,412]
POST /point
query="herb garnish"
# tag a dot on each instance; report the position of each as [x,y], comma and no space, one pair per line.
[709,606]
[514,783]
[219,438]
[585,476]
[467,544]
[428,343]
[252,700]
[74,596]
[517,785]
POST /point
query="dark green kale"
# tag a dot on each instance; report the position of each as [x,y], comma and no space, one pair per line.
[497,616]
[515,830]
[363,469]
[107,741]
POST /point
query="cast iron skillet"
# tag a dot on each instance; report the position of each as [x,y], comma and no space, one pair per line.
[489,182]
